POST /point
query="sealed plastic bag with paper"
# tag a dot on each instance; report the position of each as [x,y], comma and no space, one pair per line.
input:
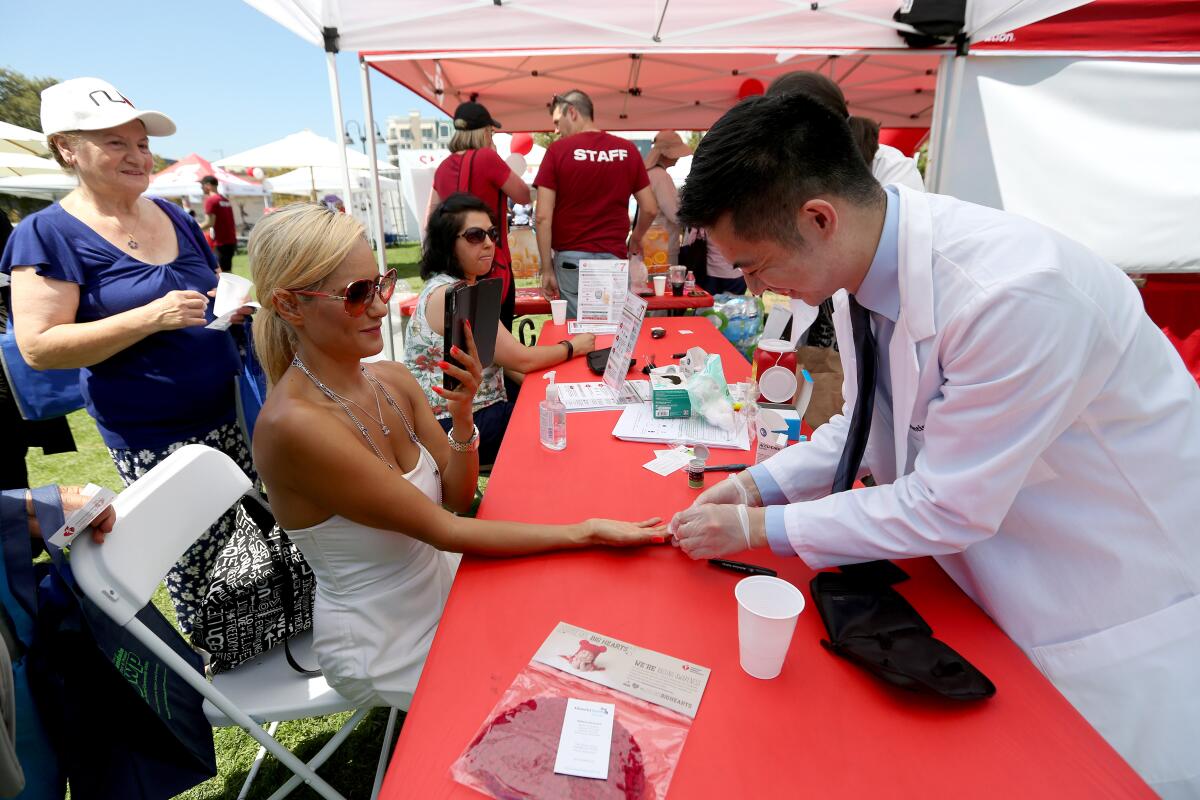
[520,743]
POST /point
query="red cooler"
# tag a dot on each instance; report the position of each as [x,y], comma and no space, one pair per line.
[775,365]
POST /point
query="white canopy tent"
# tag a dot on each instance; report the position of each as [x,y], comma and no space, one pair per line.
[44,186]
[330,180]
[15,139]
[653,64]
[16,164]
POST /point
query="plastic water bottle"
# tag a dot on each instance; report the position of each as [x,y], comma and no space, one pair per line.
[552,416]
[689,283]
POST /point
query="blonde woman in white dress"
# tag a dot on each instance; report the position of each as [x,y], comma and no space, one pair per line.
[359,471]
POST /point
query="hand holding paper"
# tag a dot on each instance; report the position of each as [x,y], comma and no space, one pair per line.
[232,304]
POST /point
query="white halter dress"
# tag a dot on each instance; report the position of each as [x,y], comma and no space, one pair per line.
[380,595]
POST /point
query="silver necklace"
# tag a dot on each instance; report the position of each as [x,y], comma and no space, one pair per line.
[378,408]
[337,398]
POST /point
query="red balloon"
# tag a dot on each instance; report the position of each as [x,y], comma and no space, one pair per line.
[750,87]
[521,143]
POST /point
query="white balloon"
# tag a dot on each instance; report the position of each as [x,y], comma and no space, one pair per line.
[258,173]
[516,162]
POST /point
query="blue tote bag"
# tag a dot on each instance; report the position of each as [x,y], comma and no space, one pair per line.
[39,394]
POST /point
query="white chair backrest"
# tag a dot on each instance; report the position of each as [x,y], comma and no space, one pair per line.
[158,517]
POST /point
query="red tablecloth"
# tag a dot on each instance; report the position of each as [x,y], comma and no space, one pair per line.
[1173,302]
[823,728]
[531,301]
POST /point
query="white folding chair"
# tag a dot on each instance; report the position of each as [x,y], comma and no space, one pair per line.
[158,517]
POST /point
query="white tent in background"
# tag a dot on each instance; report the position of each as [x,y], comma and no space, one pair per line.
[182,179]
[45,186]
[14,164]
[329,180]
[15,139]
[303,149]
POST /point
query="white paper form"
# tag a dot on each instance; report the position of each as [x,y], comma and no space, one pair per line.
[586,739]
[603,285]
[599,396]
[638,424]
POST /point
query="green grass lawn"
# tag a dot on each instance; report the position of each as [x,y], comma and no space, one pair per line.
[351,770]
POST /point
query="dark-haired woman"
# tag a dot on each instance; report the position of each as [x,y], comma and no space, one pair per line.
[460,244]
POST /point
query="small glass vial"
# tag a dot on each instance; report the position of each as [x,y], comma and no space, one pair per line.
[689,283]
[695,473]
[552,415]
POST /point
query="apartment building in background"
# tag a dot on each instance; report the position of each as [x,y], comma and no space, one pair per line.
[415,132]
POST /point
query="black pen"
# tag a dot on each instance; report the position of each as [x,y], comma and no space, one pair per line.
[738,566]
[727,468]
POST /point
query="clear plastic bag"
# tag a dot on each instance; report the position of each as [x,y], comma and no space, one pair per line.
[512,755]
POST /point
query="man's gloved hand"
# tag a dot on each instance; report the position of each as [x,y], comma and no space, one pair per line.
[731,490]
[710,531]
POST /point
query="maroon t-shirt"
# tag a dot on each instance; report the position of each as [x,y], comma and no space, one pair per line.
[592,175]
[221,211]
[485,173]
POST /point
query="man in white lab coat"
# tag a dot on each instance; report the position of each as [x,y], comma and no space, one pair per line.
[1031,428]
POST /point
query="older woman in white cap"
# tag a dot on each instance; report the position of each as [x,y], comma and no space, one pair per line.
[668,148]
[116,284]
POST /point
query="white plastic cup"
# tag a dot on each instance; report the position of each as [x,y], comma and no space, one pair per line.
[767,612]
[660,285]
[558,308]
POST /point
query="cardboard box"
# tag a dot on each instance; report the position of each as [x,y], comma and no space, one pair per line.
[668,397]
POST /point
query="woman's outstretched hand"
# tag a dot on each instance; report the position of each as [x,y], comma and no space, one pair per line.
[626,534]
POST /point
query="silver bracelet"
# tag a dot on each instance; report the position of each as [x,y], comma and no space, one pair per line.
[469,446]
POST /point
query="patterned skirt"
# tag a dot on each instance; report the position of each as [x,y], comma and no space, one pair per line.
[187,582]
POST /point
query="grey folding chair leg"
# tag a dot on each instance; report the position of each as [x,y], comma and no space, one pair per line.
[235,714]
[323,754]
[384,751]
[258,759]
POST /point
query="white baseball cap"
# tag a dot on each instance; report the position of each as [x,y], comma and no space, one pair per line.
[90,104]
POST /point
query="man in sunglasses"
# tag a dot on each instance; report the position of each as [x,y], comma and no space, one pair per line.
[583,191]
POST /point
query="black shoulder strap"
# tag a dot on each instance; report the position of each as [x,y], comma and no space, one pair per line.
[467,167]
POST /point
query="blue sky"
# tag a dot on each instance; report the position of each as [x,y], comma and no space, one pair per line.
[230,78]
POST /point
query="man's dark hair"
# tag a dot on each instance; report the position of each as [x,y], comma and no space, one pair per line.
[209,180]
[813,84]
[577,100]
[866,137]
[441,234]
[765,159]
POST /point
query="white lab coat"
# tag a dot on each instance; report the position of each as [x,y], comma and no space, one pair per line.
[1044,444]
[892,166]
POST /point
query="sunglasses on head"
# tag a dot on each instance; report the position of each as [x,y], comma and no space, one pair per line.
[476,235]
[359,295]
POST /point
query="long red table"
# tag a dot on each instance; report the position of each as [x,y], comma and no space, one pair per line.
[823,728]
[530,300]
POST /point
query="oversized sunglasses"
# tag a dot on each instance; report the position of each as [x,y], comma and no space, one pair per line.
[475,235]
[360,294]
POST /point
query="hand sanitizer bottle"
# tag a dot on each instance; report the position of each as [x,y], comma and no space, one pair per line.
[553,420]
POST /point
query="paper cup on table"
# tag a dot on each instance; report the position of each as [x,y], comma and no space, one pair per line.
[767,612]
[660,285]
[558,308]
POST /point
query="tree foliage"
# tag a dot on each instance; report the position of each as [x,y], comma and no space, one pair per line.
[20,98]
